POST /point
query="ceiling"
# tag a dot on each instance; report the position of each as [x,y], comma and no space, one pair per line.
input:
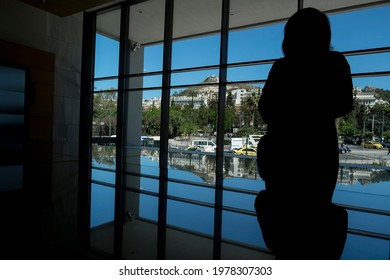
[190,17]
[63,8]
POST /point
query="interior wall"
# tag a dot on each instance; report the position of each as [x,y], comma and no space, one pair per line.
[56,130]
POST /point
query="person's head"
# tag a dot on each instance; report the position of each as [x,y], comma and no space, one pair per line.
[307,31]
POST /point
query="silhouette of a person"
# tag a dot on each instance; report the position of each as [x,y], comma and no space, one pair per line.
[305,92]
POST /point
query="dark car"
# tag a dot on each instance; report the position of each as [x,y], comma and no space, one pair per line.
[386,144]
[350,141]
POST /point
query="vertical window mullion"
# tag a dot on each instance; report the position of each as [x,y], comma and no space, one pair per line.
[220,129]
[121,108]
[165,101]
[85,133]
[300,4]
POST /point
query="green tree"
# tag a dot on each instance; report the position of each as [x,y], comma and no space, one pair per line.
[175,121]
[105,113]
[151,121]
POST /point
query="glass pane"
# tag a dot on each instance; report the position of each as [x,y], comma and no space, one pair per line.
[369,222]
[107,44]
[146,34]
[243,129]
[139,232]
[193,117]
[102,218]
[260,43]
[104,119]
[190,223]
[242,118]
[251,36]
[142,183]
[380,82]
[242,201]
[142,133]
[365,248]
[102,205]
[103,176]
[241,228]
[146,81]
[153,55]
[106,85]
[103,156]
[248,73]
[195,78]
[191,192]
[350,32]
[369,63]
[363,186]
[196,52]
[144,120]
[196,26]
[192,165]
[240,166]
[190,217]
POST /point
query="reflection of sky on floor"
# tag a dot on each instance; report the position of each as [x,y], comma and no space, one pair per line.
[375,195]
[236,226]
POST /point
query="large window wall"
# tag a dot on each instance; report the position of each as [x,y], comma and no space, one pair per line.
[173,92]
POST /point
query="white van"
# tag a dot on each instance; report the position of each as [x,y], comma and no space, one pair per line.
[205,145]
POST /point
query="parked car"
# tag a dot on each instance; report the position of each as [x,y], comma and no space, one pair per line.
[386,144]
[245,151]
[350,141]
[372,144]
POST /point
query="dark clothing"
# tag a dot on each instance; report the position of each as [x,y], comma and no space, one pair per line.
[300,102]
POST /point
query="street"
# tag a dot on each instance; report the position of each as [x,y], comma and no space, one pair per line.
[360,155]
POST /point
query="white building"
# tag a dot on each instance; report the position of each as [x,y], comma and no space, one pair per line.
[196,101]
[153,102]
[239,95]
[367,96]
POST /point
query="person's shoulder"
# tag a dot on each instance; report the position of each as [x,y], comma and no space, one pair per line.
[336,55]
[279,62]
[337,58]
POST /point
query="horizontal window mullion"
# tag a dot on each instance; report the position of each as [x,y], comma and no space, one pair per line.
[371,74]
[367,51]
[365,209]
[369,234]
[103,184]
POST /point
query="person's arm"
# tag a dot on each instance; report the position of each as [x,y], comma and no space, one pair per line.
[265,104]
[342,87]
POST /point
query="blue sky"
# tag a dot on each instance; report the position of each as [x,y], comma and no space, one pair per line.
[362,29]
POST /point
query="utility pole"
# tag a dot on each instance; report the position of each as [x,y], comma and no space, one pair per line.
[364,131]
[383,124]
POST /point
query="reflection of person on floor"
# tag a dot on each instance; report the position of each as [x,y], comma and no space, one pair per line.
[295,212]
[388,153]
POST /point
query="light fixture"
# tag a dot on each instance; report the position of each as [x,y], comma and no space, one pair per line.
[134,45]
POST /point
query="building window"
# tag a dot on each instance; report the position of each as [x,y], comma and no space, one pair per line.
[169,75]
